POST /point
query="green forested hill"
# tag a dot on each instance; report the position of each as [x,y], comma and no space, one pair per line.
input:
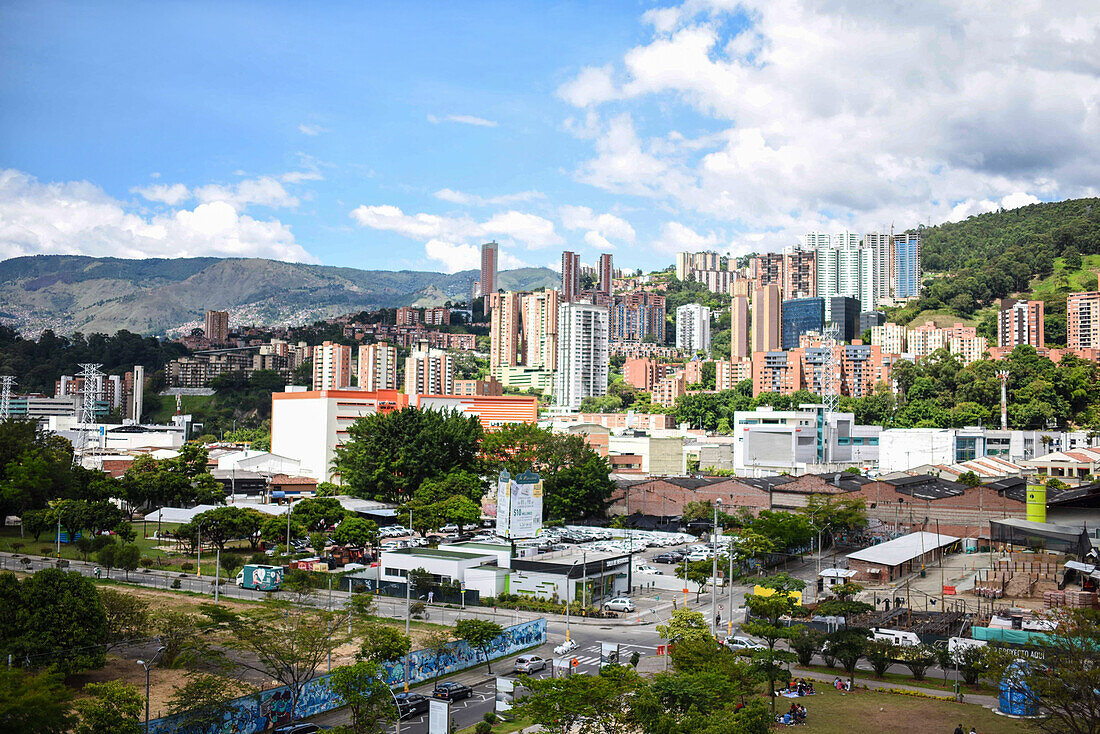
[1044,250]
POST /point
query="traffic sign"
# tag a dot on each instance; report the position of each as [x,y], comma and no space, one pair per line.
[574,662]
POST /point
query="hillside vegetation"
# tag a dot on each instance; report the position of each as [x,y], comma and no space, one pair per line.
[1043,251]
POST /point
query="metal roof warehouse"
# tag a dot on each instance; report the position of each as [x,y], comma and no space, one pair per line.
[887,561]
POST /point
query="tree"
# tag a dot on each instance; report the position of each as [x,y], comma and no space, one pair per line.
[107,556]
[1064,687]
[322,513]
[128,558]
[848,646]
[37,522]
[202,702]
[54,618]
[388,455]
[356,531]
[881,655]
[34,704]
[438,642]
[223,524]
[285,641]
[805,643]
[579,491]
[594,703]
[367,698]
[918,658]
[698,572]
[112,708]
[383,644]
[479,633]
[685,624]
[127,616]
[273,530]
[755,546]
[175,629]
[766,612]
[973,662]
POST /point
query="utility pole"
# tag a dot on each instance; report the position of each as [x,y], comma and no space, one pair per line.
[714,577]
[217,573]
[1003,376]
[408,607]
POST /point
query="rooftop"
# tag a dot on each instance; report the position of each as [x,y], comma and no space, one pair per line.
[906,548]
[927,487]
[436,553]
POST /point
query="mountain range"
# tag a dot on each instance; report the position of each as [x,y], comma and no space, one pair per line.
[71,293]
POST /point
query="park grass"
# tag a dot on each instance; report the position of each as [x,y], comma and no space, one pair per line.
[504,727]
[836,712]
[48,540]
[191,404]
[931,680]
[943,318]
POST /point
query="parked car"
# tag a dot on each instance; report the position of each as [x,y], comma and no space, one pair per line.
[449,528]
[410,704]
[667,558]
[742,643]
[452,691]
[647,569]
[297,729]
[619,604]
[529,664]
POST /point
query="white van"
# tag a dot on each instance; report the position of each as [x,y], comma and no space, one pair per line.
[897,637]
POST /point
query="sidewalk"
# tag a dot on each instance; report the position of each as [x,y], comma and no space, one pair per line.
[989,702]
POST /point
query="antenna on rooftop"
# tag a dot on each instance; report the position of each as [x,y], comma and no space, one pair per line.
[6,384]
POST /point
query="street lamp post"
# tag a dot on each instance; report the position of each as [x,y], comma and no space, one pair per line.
[59,532]
[408,607]
[147,665]
[568,579]
[714,575]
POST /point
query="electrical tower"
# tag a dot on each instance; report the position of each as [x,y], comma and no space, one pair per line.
[91,387]
[6,384]
[830,369]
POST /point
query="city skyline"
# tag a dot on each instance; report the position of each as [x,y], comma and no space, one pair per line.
[364,137]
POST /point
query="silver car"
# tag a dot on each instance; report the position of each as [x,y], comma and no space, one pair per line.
[529,664]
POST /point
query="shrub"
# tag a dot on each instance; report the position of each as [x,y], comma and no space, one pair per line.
[175,583]
[490,718]
[147,562]
[483,727]
[187,566]
[16,546]
[47,550]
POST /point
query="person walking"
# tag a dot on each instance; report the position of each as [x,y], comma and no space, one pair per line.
[959,729]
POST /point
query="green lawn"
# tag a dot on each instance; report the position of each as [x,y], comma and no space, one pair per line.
[834,712]
[931,680]
[167,407]
[47,543]
[944,319]
[503,727]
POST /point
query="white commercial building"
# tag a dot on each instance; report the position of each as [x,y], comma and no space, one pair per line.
[693,328]
[583,353]
[309,425]
[903,449]
[845,268]
[797,441]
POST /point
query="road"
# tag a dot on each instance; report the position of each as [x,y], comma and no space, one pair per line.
[633,632]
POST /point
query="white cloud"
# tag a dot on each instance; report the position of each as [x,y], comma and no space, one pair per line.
[463,119]
[311,130]
[170,195]
[849,115]
[461,197]
[454,256]
[528,229]
[77,217]
[263,191]
[294,177]
[676,237]
[602,228]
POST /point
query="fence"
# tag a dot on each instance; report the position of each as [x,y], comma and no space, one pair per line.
[440,594]
[256,712]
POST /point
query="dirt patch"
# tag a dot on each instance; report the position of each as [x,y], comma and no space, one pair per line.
[162,681]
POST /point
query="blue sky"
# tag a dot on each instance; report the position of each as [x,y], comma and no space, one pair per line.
[400,135]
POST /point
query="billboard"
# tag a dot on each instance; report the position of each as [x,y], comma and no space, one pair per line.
[519,505]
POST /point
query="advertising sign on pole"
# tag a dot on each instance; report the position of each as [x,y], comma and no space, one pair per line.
[519,505]
[609,654]
[506,694]
[439,717]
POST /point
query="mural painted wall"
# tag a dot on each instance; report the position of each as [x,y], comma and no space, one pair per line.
[259,711]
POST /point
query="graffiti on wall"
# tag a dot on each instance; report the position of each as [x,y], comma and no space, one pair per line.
[460,656]
[256,712]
